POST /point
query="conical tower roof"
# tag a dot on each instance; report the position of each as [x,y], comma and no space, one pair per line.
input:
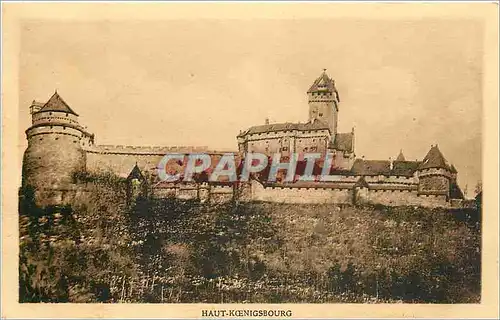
[323,84]
[56,103]
[135,174]
[434,159]
[401,156]
[453,169]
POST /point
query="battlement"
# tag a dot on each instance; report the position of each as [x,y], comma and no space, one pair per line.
[148,150]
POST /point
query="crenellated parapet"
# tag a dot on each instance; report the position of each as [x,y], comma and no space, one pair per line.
[434,172]
[148,150]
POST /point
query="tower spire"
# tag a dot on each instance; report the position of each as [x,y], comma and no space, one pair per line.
[401,156]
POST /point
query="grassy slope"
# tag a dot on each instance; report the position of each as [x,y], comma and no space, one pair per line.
[175,251]
[315,253]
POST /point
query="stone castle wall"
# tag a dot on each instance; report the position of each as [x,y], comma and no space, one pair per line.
[203,192]
[399,197]
[300,195]
[255,191]
[286,141]
[121,159]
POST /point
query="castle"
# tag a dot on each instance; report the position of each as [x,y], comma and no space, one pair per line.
[59,146]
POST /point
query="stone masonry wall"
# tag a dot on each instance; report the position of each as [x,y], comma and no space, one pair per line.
[300,195]
[399,198]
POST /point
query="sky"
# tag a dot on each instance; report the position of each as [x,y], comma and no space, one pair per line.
[403,84]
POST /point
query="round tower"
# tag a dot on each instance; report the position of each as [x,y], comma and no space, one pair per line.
[54,150]
[434,174]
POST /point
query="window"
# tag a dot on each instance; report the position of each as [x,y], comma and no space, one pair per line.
[320,114]
[284,149]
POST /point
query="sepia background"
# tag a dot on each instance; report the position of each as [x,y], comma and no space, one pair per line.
[18,94]
[403,84]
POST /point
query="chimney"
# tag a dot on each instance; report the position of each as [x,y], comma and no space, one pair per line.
[391,162]
[267,120]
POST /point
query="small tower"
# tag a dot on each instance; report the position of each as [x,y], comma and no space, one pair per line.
[401,156]
[136,185]
[323,102]
[434,174]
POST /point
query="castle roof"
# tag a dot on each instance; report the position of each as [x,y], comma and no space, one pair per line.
[37,103]
[135,174]
[371,167]
[455,191]
[401,156]
[323,84]
[404,168]
[344,142]
[287,126]
[453,169]
[56,103]
[434,159]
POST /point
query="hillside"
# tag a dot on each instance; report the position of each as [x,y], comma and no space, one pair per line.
[175,251]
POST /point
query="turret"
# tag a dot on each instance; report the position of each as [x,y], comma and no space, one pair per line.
[136,185]
[434,174]
[54,150]
[401,156]
[323,102]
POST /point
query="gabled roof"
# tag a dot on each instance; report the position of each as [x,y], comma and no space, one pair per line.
[344,142]
[401,156]
[362,167]
[135,174]
[434,159]
[404,168]
[323,83]
[287,126]
[56,103]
